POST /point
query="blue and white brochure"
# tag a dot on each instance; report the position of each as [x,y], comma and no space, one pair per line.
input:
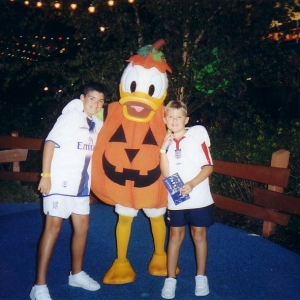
[174,184]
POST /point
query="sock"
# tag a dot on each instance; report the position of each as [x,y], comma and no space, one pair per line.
[40,286]
[76,274]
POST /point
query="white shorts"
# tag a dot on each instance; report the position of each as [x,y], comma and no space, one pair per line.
[131,212]
[64,206]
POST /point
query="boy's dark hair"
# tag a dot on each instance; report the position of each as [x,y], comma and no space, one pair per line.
[93,86]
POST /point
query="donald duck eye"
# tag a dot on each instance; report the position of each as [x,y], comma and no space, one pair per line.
[133,86]
[156,87]
[151,90]
[129,81]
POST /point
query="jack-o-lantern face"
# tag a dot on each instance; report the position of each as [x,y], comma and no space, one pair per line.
[120,178]
[125,164]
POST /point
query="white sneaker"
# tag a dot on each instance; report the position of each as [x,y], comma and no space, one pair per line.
[84,281]
[202,288]
[168,291]
[40,293]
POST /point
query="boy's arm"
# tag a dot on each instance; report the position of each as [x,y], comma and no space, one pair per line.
[164,162]
[45,182]
[204,173]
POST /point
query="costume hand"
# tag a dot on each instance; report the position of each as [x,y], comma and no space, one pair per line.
[45,185]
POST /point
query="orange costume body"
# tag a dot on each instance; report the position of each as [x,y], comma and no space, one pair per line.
[126,161]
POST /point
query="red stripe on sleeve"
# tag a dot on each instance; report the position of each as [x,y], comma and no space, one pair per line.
[206,152]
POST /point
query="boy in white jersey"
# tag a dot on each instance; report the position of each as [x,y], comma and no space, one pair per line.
[65,184]
[186,152]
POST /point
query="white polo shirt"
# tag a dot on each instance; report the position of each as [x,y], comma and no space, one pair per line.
[74,144]
[186,157]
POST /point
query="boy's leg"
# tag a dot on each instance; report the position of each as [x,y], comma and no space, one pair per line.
[49,237]
[199,238]
[175,241]
[80,226]
[78,278]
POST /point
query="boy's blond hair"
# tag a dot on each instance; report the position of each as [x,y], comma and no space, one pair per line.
[176,105]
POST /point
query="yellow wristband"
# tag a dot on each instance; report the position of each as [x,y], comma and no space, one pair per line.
[45,174]
[163,151]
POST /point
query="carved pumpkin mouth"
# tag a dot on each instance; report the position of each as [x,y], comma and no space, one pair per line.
[137,109]
[140,181]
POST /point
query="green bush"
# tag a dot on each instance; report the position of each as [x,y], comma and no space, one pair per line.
[15,192]
[254,143]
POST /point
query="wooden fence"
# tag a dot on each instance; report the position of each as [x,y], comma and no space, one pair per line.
[268,204]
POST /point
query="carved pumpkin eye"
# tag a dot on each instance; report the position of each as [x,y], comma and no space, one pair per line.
[119,135]
[150,139]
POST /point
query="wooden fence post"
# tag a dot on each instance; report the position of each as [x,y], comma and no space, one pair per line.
[280,159]
[16,164]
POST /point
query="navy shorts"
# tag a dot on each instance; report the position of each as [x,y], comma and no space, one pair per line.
[197,217]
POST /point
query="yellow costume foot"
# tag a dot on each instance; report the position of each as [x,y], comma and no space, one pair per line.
[119,273]
[158,265]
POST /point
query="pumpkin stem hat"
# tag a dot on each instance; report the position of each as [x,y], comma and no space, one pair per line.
[150,56]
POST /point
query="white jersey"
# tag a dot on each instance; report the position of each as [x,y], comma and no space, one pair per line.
[186,157]
[74,141]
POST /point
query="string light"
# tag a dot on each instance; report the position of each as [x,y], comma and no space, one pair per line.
[35,47]
[57,5]
[73,6]
[40,47]
[92,9]
[102,28]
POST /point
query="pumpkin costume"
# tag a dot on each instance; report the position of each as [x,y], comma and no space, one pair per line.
[125,164]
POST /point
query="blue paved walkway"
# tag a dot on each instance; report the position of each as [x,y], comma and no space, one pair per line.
[240,266]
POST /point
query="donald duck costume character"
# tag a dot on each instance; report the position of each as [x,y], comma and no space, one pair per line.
[125,165]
